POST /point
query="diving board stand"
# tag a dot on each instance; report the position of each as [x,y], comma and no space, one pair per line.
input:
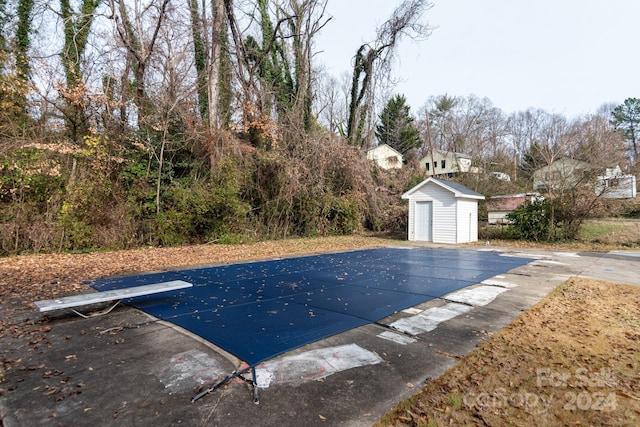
[74,301]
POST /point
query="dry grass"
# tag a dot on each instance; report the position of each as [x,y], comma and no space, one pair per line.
[597,235]
[571,360]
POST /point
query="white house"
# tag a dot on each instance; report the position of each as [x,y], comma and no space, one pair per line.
[442,211]
[385,156]
[446,163]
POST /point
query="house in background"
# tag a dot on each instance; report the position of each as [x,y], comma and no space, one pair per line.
[563,173]
[566,173]
[499,206]
[385,156]
[446,163]
[613,170]
[442,211]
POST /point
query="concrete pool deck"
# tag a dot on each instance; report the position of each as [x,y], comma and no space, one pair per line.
[128,369]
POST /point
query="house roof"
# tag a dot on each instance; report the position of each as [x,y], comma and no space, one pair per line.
[451,154]
[509,202]
[457,189]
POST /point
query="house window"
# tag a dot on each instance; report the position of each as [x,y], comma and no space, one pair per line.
[442,164]
[427,165]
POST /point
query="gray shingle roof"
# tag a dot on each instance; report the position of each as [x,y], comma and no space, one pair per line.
[458,187]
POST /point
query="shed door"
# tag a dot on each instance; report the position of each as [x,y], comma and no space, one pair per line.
[423,220]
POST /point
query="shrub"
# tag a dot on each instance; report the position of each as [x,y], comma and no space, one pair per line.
[196,209]
[532,220]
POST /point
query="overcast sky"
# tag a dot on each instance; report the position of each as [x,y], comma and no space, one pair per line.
[563,56]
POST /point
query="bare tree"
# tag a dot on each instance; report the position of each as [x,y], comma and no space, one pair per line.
[274,64]
[405,20]
[522,129]
[209,36]
[330,102]
[138,28]
[471,126]
[214,62]
[77,26]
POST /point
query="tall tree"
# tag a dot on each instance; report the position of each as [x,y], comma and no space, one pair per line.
[274,67]
[442,116]
[139,34]
[13,83]
[22,43]
[396,128]
[4,36]
[626,117]
[522,129]
[211,58]
[405,20]
[200,56]
[214,63]
[77,26]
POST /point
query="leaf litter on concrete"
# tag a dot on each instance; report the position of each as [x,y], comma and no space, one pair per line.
[29,278]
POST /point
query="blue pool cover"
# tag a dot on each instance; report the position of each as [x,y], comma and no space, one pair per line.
[259,310]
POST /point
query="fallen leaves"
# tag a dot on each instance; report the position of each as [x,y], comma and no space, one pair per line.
[46,276]
[54,373]
[560,362]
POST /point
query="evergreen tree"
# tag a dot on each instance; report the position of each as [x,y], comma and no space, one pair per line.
[396,128]
[532,160]
[626,117]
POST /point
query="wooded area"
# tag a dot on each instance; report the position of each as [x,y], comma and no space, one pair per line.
[165,122]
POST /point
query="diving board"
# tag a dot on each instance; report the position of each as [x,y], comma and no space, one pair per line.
[111,295]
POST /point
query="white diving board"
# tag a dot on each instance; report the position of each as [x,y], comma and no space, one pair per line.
[107,296]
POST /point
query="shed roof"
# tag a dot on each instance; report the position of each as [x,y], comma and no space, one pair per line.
[459,190]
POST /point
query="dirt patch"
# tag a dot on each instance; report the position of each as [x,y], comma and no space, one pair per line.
[572,359]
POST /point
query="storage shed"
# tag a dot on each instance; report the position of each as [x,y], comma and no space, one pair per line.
[442,212]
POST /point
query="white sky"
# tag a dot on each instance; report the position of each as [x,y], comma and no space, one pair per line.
[563,56]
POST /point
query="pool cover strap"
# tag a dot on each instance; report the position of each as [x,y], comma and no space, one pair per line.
[234,374]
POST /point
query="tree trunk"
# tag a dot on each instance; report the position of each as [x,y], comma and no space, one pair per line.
[200,57]
[214,63]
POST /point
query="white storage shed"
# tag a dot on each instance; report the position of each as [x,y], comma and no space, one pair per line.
[443,211]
